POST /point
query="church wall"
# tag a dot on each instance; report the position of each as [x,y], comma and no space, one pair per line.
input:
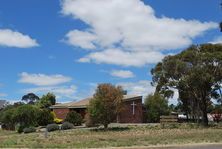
[127,116]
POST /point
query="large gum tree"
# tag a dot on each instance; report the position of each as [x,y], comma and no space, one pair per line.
[197,75]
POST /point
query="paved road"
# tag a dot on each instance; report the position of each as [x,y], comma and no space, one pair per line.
[198,147]
[206,146]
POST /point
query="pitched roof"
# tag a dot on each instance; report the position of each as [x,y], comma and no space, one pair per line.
[85,102]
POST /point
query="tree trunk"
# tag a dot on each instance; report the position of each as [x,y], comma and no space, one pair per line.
[204,114]
[204,119]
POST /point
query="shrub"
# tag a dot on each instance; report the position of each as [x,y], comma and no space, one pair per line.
[19,128]
[89,121]
[52,127]
[55,119]
[74,118]
[29,130]
[44,117]
[26,115]
[156,106]
[8,119]
[67,125]
[58,120]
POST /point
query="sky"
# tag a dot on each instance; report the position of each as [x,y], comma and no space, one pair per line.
[69,46]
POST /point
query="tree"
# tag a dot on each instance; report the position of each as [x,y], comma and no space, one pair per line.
[47,100]
[30,98]
[196,73]
[156,106]
[106,104]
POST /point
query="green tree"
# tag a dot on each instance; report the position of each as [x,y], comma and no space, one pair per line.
[30,98]
[106,104]
[196,73]
[47,100]
[156,106]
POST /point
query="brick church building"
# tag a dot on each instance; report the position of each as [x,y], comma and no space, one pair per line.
[132,111]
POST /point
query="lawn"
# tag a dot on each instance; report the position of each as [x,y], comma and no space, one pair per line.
[115,137]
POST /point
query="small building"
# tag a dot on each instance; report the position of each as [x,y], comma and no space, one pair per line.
[132,109]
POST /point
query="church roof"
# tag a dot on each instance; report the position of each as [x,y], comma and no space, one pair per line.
[85,102]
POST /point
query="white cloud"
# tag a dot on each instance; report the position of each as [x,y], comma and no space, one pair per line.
[130,26]
[122,73]
[59,91]
[217,40]
[81,39]
[142,87]
[124,58]
[16,39]
[42,79]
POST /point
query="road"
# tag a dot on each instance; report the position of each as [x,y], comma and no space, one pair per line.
[197,146]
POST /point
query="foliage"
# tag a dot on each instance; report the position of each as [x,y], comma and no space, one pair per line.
[8,119]
[26,115]
[55,119]
[30,98]
[52,127]
[19,128]
[106,104]
[196,73]
[44,117]
[156,106]
[67,125]
[29,130]
[74,118]
[47,100]
[89,120]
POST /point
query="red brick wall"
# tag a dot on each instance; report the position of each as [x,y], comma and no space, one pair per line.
[61,113]
[126,116]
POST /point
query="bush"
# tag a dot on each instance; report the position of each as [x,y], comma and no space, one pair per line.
[29,130]
[8,119]
[74,118]
[58,120]
[26,115]
[67,125]
[55,119]
[52,127]
[156,106]
[89,121]
[19,128]
[44,118]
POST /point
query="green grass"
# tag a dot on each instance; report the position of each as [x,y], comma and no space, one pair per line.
[115,137]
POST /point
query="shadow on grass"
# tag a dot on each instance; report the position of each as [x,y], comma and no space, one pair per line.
[110,129]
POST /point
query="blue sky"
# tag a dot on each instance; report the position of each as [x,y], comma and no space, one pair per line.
[69,46]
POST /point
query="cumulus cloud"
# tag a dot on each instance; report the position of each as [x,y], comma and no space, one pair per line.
[130,26]
[82,39]
[59,91]
[124,58]
[142,87]
[122,73]
[43,79]
[16,39]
